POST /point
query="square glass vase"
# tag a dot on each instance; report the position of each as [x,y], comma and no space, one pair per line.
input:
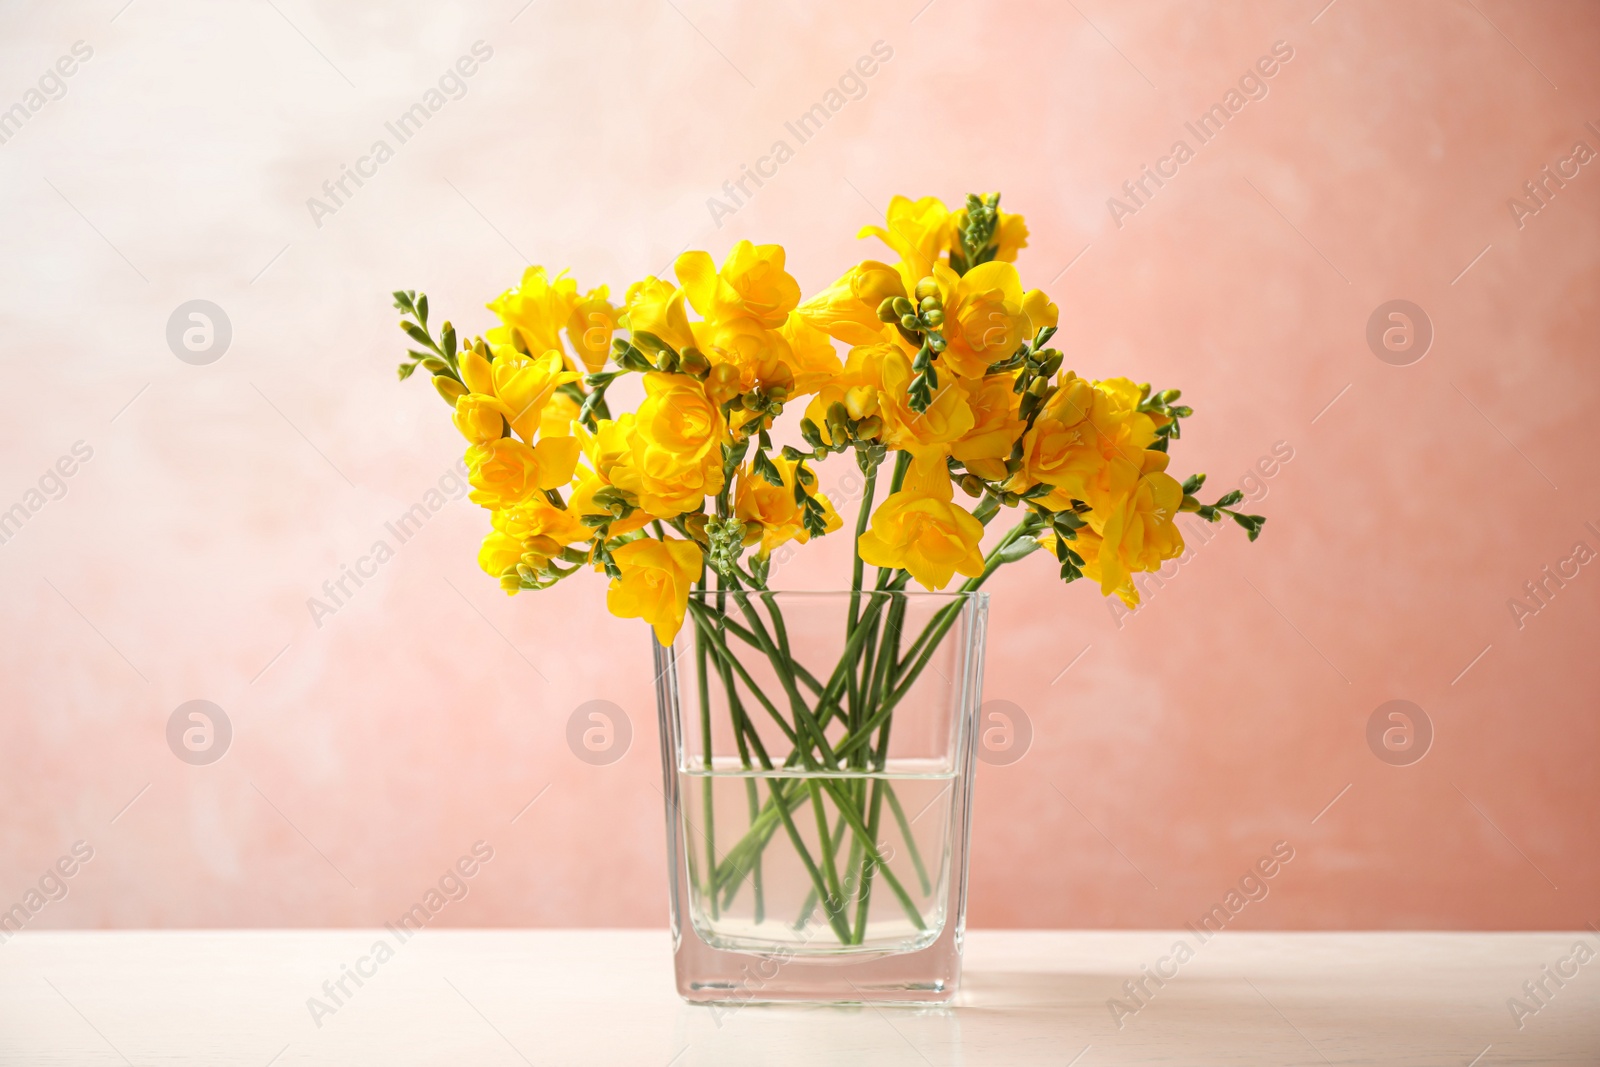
[817,759]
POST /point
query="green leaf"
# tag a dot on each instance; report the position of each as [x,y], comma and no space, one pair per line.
[1227,500]
[406,370]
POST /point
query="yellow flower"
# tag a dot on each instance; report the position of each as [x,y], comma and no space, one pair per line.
[848,309]
[877,380]
[1140,533]
[919,232]
[773,508]
[536,311]
[742,343]
[813,362]
[752,284]
[985,448]
[656,307]
[677,445]
[480,417]
[589,327]
[984,320]
[506,471]
[476,371]
[1039,308]
[656,576]
[526,383]
[920,530]
[500,553]
[559,415]
[1088,442]
[538,518]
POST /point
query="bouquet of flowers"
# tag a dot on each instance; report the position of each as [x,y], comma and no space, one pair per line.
[946,381]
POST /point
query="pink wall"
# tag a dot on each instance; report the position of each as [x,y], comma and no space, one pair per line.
[370,752]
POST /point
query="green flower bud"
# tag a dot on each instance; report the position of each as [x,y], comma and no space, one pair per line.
[886,311]
[902,306]
[934,317]
[927,288]
[909,322]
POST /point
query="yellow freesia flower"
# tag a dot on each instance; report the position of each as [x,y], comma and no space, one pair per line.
[848,309]
[538,518]
[558,416]
[751,349]
[1140,533]
[877,381]
[479,417]
[525,385]
[656,576]
[1088,442]
[1039,308]
[656,307]
[813,361]
[536,310]
[920,530]
[918,231]
[773,508]
[983,317]
[677,445]
[505,472]
[752,284]
[997,423]
[589,327]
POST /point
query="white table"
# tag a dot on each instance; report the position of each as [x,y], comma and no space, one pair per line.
[483,998]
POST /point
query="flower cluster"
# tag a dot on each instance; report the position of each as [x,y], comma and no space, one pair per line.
[946,366]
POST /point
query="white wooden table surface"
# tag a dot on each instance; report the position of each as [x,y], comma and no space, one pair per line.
[491,997]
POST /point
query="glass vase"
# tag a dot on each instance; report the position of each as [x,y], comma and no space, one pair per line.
[817,756]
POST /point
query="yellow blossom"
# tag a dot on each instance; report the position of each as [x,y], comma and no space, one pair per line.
[983,317]
[506,471]
[525,385]
[480,417]
[677,445]
[813,361]
[920,530]
[559,415]
[848,309]
[752,284]
[656,307]
[589,328]
[918,231]
[1140,533]
[536,310]
[997,423]
[877,380]
[773,509]
[1039,308]
[1088,442]
[655,582]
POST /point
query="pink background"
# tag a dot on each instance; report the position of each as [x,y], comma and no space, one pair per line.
[372,751]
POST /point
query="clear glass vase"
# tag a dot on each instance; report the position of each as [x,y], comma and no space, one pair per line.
[817,752]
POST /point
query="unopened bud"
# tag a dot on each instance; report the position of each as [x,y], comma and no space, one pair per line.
[909,322]
[886,311]
[449,388]
[934,317]
[927,287]
[869,427]
[972,485]
[902,306]
[937,341]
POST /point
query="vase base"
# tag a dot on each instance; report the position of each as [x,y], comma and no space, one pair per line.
[927,977]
